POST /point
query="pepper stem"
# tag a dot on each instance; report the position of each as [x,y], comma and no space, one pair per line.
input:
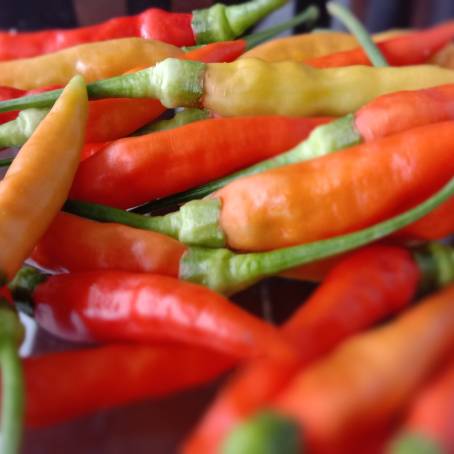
[11,334]
[308,16]
[323,140]
[356,28]
[176,83]
[196,222]
[16,132]
[267,432]
[414,443]
[224,23]
[227,272]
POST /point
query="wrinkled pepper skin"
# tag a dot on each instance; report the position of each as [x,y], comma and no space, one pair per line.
[364,288]
[113,306]
[145,371]
[31,194]
[74,244]
[159,164]
[281,207]
[254,87]
[94,61]
[365,383]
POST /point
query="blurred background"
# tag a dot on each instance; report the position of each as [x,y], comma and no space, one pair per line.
[158,426]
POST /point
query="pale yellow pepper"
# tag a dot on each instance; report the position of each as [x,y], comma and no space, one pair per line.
[38,181]
[94,61]
[254,87]
[300,48]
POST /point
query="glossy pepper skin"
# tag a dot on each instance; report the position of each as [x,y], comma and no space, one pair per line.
[382,368]
[409,49]
[182,158]
[113,306]
[73,244]
[42,189]
[429,418]
[51,401]
[282,206]
[94,61]
[364,288]
[179,29]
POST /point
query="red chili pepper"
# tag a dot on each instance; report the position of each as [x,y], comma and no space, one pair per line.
[429,419]
[368,380]
[184,157]
[179,29]
[409,49]
[94,379]
[72,243]
[109,306]
[365,287]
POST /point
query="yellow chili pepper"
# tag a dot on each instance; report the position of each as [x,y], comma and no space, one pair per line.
[255,87]
[38,181]
[300,48]
[94,61]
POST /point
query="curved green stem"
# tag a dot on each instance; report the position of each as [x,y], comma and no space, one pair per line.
[324,139]
[224,23]
[356,28]
[308,16]
[227,272]
[11,333]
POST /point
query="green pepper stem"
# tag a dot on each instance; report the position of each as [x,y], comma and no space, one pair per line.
[16,132]
[414,443]
[12,380]
[324,139]
[6,162]
[356,28]
[176,83]
[224,23]
[268,432]
[227,272]
[309,16]
[196,222]
[181,118]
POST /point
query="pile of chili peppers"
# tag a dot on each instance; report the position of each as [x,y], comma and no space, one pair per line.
[324,157]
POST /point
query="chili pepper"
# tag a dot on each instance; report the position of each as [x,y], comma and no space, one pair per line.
[381,117]
[300,48]
[340,307]
[183,157]
[112,375]
[11,336]
[281,207]
[429,417]
[227,272]
[255,87]
[334,415]
[217,23]
[410,49]
[72,243]
[30,193]
[110,306]
[94,61]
